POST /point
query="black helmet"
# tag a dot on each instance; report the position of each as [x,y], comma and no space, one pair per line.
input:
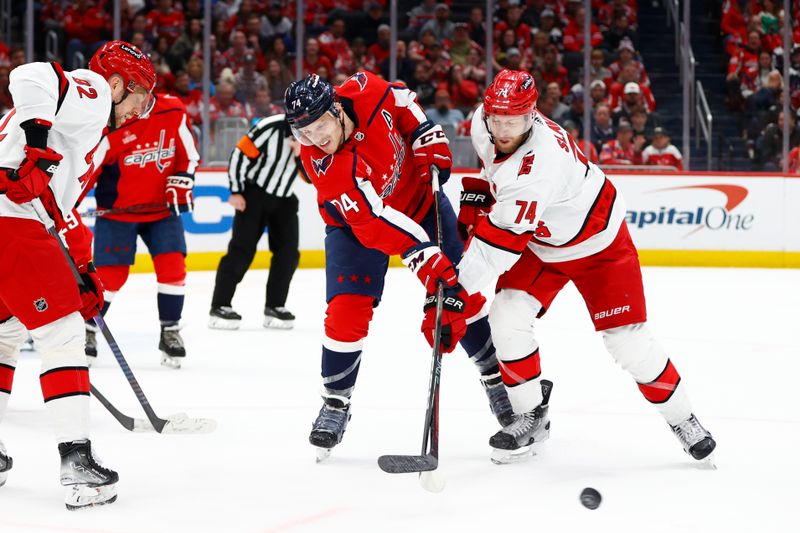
[307,100]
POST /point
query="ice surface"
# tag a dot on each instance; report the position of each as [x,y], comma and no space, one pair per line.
[733,335]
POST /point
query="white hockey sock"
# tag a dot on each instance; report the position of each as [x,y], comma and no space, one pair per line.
[65,376]
[638,352]
[12,335]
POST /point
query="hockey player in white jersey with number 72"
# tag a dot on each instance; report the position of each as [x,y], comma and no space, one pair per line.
[540,216]
[46,146]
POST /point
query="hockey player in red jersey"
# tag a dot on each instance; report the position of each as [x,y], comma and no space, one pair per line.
[368,149]
[146,174]
[46,146]
[553,217]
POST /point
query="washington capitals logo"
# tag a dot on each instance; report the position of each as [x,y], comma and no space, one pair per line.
[360,78]
[321,165]
[158,154]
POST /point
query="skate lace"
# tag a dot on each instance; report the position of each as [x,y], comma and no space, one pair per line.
[172,337]
[331,419]
[523,424]
[690,431]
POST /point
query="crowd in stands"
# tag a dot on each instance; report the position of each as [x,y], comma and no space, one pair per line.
[441,56]
[753,40]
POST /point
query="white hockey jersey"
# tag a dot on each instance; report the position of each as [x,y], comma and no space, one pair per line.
[78,104]
[548,197]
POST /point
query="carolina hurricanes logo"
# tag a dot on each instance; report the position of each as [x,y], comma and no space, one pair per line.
[158,154]
[321,165]
[360,78]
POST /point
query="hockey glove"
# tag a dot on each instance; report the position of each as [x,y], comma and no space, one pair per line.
[476,202]
[179,193]
[429,145]
[457,307]
[33,175]
[91,291]
[430,265]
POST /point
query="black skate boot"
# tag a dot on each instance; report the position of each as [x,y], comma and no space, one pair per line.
[330,424]
[514,442]
[171,346]
[498,398]
[6,463]
[278,318]
[88,482]
[91,343]
[223,317]
[696,440]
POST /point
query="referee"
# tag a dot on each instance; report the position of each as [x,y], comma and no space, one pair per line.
[262,171]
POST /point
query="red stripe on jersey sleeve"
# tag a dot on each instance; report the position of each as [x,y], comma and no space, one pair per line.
[6,378]
[501,238]
[661,389]
[65,381]
[522,370]
[63,84]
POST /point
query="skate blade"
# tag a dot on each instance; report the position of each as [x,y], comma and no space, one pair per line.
[3,478]
[507,457]
[83,496]
[170,362]
[708,462]
[277,323]
[322,453]
[221,323]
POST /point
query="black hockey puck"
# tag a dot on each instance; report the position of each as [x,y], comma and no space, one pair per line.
[590,498]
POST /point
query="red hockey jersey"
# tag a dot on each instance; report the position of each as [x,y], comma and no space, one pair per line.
[136,159]
[370,183]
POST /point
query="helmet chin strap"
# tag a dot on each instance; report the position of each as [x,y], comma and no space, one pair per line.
[112,121]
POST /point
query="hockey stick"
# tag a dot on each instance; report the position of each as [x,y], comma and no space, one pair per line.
[136,209]
[429,457]
[175,424]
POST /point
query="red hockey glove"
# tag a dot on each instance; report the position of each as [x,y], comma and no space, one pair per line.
[34,173]
[91,291]
[429,145]
[476,202]
[457,307]
[179,193]
[430,265]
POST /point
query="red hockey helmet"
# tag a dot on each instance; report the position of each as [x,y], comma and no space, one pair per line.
[128,62]
[512,92]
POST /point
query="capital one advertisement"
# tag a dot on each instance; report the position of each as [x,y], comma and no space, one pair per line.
[665,212]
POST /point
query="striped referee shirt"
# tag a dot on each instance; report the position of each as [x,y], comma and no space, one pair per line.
[263,157]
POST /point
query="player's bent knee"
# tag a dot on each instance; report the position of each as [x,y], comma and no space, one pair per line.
[61,342]
[170,268]
[636,350]
[348,316]
[113,276]
[511,318]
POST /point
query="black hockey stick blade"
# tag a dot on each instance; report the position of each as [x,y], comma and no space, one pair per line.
[407,464]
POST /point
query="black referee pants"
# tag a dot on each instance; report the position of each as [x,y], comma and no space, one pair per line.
[262,210]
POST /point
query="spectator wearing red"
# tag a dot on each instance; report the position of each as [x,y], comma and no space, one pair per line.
[622,150]
[573,33]
[627,56]
[223,104]
[313,59]
[420,50]
[6,102]
[334,45]
[380,50]
[239,50]
[631,99]
[192,99]
[572,129]
[238,21]
[732,23]
[87,26]
[512,21]
[661,152]
[553,71]
[440,60]
[626,94]
[607,13]
[464,93]
[794,160]
[753,80]
[165,21]
[746,56]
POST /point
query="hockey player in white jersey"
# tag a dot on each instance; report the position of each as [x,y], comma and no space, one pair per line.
[46,146]
[540,215]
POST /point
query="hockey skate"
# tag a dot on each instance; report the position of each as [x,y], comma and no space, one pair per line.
[498,399]
[329,426]
[696,440]
[278,318]
[224,317]
[515,441]
[91,344]
[6,463]
[88,482]
[171,346]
